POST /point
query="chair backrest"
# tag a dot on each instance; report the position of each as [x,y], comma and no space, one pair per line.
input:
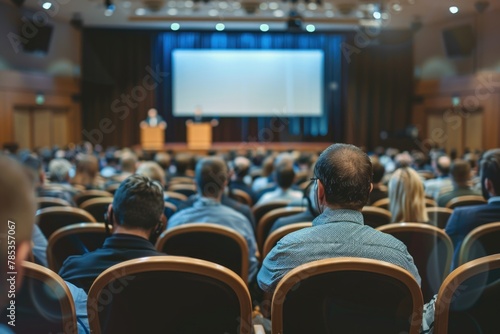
[75,239]
[194,296]
[112,187]
[431,249]
[43,304]
[275,236]
[241,196]
[181,179]
[97,207]
[465,200]
[53,218]
[209,242]
[259,210]
[374,216]
[381,203]
[469,298]
[482,241]
[175,195]
[265,223]
[438,216]
[347,295]
[430,202]
[183,188]
[45,202]
[88,194]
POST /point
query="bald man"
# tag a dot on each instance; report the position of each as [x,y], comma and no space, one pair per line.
[442,183]
[17,216]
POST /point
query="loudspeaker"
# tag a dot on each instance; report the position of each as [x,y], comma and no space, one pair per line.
[459,41]
[39,41]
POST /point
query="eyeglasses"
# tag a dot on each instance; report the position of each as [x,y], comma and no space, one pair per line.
[314,179]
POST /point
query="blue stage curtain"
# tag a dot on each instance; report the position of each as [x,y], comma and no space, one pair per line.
[322,128]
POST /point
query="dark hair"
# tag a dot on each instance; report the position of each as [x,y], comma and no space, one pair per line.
[285,175]
[443,169]
[460,171]
[211,176]
[490,169]
[378,171]
[138,202]
[346,174]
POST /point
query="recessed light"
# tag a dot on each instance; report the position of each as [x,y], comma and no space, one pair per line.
[453,9]
[175,26]
[220,26]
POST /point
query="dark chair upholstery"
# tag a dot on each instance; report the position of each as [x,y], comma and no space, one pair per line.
[209,242]
[53,218]
[481,241]
[97,207]
[259,210]
[45,202]
[75,239]
[431,249]
[469,299]
[374,216]
[43,304]
[439,216]
[169,294]
[347,295]
[88,194]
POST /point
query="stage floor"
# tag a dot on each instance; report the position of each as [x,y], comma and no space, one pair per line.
[236,146]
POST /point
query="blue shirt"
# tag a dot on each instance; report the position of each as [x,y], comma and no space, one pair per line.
[334,233]
[208,210]
[80,299]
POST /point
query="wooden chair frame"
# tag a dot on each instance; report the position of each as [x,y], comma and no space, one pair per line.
[319,267]
[453,282]
[70,230]
[242,196]
[437,210]
[177,264]
[93,193]
[84,215]
[259,210]
[472,237]
[53,201]
[211,228]
[96,201]
[273,238]
[175,195]
[456,202]
[381,203]
[381,212]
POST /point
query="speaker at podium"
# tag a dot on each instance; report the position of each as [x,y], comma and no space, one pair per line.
[153,131]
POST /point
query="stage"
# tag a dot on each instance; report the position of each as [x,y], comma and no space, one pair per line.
[241,146]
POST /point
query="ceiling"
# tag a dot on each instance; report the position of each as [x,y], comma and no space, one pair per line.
[256,14]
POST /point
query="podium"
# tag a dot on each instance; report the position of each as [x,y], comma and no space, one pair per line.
[152,138]
[199,135]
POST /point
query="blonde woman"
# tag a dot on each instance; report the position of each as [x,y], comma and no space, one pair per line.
[407,196]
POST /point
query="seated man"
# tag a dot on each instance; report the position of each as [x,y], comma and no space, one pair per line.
[284,176]
[460,174]
[137,217]
[343,184]
[239,175]
[379,190]
[442,183]
[211,178]
[465,219]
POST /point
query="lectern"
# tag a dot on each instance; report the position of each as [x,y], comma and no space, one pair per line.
[199,135]
[152,138]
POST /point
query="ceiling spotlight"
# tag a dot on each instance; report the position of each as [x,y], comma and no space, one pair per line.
[264,27]
[397,7]
[47,5]
[175,26]
[140,12]
[310,28]
[453,9]
[220,27]
[377,15]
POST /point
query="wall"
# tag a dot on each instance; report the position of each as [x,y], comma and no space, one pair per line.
[63,58]
[429,53]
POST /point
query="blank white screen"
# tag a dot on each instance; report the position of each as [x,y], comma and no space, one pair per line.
[240,83]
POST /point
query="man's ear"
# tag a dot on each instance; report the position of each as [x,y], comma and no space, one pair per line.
[488,185]
[371,187]
[321,193]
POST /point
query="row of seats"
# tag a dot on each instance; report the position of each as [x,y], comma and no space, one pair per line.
[198,296]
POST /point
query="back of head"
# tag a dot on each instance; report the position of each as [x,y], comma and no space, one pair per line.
[378,170]
[87,164]
[138,202]
[241,166]
[407,196]
[490,169]
[443,163]
[17,215]
[163,159]
[33,168]
[59,170]
[346,174]
[183,162]
[211,176]
[285,175]
[460,171]
[128,162]
[152,170]
[268,165]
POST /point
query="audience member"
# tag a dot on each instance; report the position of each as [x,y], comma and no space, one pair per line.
[379,190]
[183,163]
[165,161]
[87,172]
[284,176]
[460,174]
[211,177]
[442,182]
[266,178]
[342,188]
[407,197]
[137,217]
[128,165]
[239,176]
[465,219]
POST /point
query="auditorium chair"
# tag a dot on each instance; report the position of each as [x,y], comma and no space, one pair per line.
[43,303]
[482,241]
[88,194]
[374,216]
[431,249]
[241,196]
[465,200]
[469,298]
[347,295]
[259,210]
[174,195]
[209,242]
[183,188]
[169,294]
[97,207]
[275,236]
[45,202]
[438,216]
[52,218]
